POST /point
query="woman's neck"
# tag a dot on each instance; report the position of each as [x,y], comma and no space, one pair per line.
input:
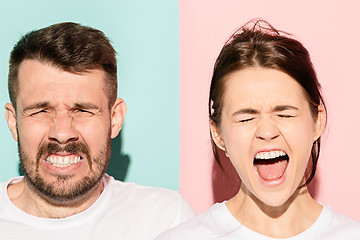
[296,215]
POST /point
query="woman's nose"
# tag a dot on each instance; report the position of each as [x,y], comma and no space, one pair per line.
[267,130]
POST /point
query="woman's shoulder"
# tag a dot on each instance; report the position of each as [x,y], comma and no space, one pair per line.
[338,220]
[214,223]
[339,226]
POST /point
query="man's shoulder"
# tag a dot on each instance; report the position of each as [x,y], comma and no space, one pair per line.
[146,204]
[132,189]
[154,199]
[12,180]
[3,184]
[8,188]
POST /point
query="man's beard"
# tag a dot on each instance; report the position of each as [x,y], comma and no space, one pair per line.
[63,191]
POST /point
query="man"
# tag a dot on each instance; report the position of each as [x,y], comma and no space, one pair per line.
[63,113]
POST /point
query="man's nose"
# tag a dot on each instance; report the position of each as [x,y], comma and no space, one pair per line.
[62,129]
[267,130]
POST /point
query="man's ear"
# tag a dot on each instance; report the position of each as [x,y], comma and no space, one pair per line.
[319,123]
[118,112]
[216,136]
[10,115]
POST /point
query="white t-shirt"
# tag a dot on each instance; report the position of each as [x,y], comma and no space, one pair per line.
[123,211]
[218,223]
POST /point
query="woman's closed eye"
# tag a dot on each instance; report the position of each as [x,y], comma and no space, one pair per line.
[246,120]
[286,111]
[286,115]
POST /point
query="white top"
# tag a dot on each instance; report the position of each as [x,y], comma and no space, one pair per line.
[123,211]
[219,223]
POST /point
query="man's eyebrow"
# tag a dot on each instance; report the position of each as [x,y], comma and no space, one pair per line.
[246,111]
[37,106]
[86,105]
[280,108]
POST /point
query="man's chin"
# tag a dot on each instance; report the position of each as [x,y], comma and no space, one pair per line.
[64,192]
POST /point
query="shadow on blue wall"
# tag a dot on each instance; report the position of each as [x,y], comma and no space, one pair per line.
[21,172]
[119,162]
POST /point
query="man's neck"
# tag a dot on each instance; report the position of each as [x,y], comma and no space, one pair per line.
[27,200]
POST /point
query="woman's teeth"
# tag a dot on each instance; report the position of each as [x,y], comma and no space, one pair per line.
[270,155]
[272,165]
[66,161]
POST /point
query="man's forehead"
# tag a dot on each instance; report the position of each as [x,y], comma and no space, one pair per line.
[41,82]
[33,72]
[38,63]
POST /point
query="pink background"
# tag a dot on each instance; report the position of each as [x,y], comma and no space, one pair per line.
[330,31]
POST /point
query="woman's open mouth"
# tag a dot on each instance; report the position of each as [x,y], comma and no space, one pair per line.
[271,166]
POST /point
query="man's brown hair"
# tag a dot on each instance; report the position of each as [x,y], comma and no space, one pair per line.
[69,47]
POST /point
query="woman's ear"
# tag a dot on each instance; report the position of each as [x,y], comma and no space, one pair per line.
[216,136]
[10,115]
[118,112]
[319,123]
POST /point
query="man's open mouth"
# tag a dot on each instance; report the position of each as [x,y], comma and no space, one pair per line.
[63,161]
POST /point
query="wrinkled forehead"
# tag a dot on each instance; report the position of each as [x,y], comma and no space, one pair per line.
[41,80]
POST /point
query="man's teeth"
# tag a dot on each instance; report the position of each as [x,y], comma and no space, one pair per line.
[66,161]
[269,155]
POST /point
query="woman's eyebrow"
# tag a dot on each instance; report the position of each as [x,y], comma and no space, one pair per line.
[246,111]
[280,108]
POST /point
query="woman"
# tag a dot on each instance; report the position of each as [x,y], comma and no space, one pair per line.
[267,114]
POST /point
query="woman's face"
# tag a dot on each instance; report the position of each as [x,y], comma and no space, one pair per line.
[267,130]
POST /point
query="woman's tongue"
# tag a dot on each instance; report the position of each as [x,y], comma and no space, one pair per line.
[271,169]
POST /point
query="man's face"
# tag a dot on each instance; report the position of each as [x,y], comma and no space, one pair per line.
[63,129]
